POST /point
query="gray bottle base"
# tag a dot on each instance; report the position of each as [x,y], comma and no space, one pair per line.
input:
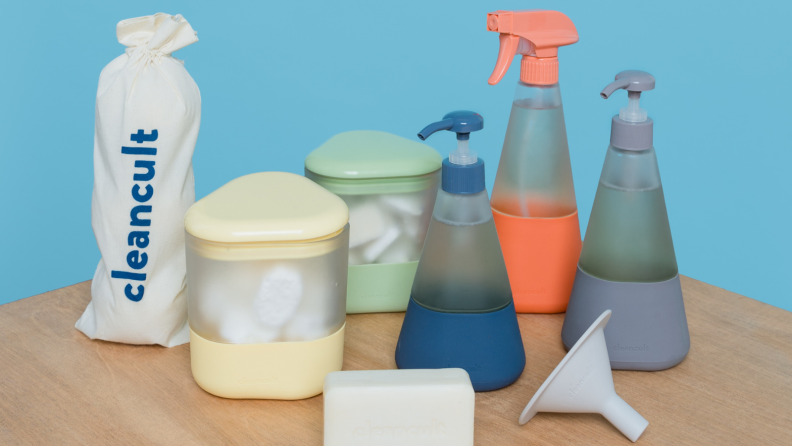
[648,329]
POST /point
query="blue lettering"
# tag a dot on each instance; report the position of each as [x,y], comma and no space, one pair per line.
[139,150]
[141,136]
[135,260]
[142,198]
[128,276]
[138,238]
[134,297]
[139,221]
[149,166]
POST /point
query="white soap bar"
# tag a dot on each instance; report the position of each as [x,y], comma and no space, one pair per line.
[399,407]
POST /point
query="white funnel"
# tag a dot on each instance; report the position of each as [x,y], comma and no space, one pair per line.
[583,383]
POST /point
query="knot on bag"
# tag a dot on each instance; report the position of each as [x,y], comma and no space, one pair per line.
[150,38]
[148,55]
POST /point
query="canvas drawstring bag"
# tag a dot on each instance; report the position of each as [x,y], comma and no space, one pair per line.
[148,111]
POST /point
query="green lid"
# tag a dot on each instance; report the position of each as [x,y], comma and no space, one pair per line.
[367,154]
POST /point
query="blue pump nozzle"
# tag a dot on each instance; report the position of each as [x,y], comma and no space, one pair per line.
[461,122]
[463,171]
[445,124]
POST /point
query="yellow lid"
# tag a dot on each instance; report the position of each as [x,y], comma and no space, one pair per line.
[267,206]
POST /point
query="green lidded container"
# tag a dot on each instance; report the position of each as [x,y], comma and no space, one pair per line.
[389,184]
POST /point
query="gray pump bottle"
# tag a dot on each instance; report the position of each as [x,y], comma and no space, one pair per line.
[628,264]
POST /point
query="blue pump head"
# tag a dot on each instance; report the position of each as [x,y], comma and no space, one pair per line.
[461,122]
[463,171]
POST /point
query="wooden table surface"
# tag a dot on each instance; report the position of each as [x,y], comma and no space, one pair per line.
[59,387]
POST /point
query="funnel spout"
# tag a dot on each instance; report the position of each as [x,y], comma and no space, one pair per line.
[624,417]
[587,368]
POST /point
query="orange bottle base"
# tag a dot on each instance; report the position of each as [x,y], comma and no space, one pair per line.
[541,257]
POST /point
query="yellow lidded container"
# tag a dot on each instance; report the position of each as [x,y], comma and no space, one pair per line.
[266,286]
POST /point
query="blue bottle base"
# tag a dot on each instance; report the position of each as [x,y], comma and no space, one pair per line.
[487,345]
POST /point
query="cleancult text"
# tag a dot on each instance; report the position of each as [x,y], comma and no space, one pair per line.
[142,192]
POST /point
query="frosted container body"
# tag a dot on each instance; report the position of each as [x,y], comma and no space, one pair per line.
[628,238]
[261,292]
[461,268]
[534,174]
[388,217]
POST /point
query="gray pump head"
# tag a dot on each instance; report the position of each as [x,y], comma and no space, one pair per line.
[631,129]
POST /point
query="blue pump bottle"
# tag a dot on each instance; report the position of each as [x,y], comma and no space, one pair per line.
[461,312]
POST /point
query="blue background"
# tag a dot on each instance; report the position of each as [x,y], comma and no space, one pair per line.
[278,79]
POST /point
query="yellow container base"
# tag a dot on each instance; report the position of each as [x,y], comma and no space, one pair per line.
[277,371]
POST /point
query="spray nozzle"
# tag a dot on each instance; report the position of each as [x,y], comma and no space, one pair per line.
[634,82]
[536,35]
[462,123]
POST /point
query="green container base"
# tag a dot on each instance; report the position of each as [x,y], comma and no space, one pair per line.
[380,288]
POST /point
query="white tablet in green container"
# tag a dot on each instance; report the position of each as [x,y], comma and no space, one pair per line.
[390,184]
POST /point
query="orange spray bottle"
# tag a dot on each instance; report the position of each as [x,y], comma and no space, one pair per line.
[533,199]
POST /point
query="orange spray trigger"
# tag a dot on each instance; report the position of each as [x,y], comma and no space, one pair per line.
[536,35]
[508,48]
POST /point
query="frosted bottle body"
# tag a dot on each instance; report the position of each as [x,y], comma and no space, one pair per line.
[462,268]
[628,265]
[535,175]
[533,202]
[628,238]
[461,312]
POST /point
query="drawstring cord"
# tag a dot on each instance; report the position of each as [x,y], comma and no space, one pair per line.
[147,56]
[151,56]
